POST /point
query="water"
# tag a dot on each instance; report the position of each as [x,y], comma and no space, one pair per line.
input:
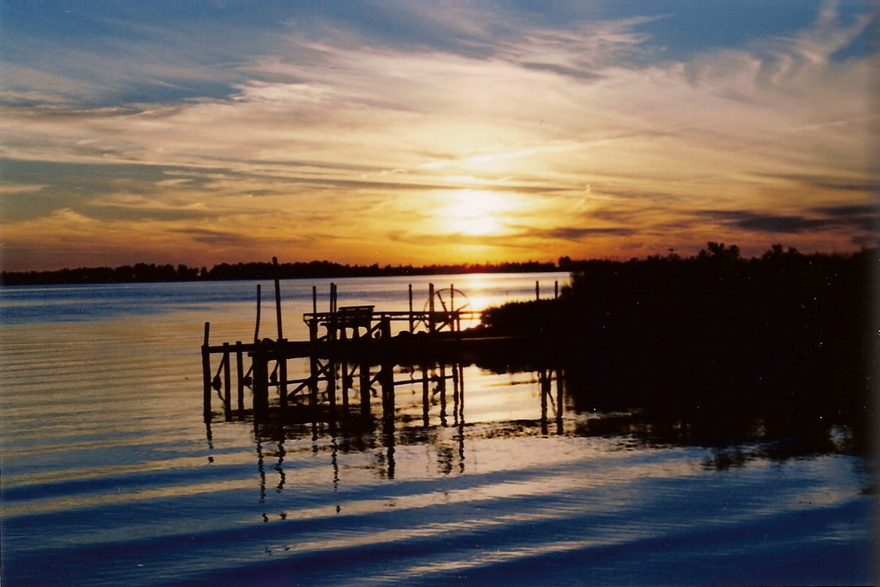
[110,475]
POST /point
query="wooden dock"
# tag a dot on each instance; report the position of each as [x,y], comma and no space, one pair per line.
[351,349]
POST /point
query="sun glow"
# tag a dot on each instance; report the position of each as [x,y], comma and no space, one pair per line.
[476,212]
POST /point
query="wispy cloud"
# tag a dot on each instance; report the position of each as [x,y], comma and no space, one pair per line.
[341,129]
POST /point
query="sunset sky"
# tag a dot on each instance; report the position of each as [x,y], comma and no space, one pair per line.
[403,132]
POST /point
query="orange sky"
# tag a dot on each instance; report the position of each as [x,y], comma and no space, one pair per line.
[433,135]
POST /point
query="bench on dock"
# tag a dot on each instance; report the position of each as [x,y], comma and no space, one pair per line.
[354,316]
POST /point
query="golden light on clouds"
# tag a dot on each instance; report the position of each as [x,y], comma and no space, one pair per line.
[344,141]
[475,212]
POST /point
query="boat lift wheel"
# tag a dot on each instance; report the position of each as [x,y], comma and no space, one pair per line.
[449,301]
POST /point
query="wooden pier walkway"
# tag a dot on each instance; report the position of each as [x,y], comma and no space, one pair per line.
[350,348]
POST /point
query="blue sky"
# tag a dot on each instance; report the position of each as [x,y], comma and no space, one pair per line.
[403,132]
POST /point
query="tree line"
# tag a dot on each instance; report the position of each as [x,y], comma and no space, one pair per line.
[706,348]
[143,272]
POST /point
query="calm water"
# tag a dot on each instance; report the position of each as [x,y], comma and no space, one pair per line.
[111,477]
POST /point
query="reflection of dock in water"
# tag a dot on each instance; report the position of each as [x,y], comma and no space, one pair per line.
[354,354]
[367,382]
[385,426]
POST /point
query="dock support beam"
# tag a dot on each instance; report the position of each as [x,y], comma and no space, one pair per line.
[281,357]
[425,397]
[206,373]
[431,325]
[366,381]
[239,366]
[412,323]
[261,379]
[227,384]
[441,384]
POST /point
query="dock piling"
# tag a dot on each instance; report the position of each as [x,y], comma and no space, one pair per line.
[425,396]
[257,327]
[277,298]
[227,384]
[442,387]
[206,373]
[281,357]
[239,367]
[431,307]
[261,378]
[412,323]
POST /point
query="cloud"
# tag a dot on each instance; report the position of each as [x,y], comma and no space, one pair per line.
[579,233]
[217,237]
[119,208]
[865,217]
[853,211]
[771,222]
[319,121]
[21,188]
[858,217]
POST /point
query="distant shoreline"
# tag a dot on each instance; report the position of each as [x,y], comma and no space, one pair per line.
[152,273]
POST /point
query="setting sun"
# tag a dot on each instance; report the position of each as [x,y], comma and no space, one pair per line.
[476,212]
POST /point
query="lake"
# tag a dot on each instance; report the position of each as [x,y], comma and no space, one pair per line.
[111,476]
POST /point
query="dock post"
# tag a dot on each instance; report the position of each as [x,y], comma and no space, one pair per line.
[281,356]
[460,394]
[332,370]
[365,390]
[277,298]
[259,305]
[452,311]
[314,369]
[227,384]
[555,290]
[239,366]
[347,384]
[333,334]
[559,400]
[261,378]
[455,394]
[425,397]
[442,386]
[537,291]
[346,374]
[331,326]
[430,307]
[206,373]
[386,380]
[544,377]
[412,324]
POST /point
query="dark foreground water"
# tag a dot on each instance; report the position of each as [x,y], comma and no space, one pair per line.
[110,476]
